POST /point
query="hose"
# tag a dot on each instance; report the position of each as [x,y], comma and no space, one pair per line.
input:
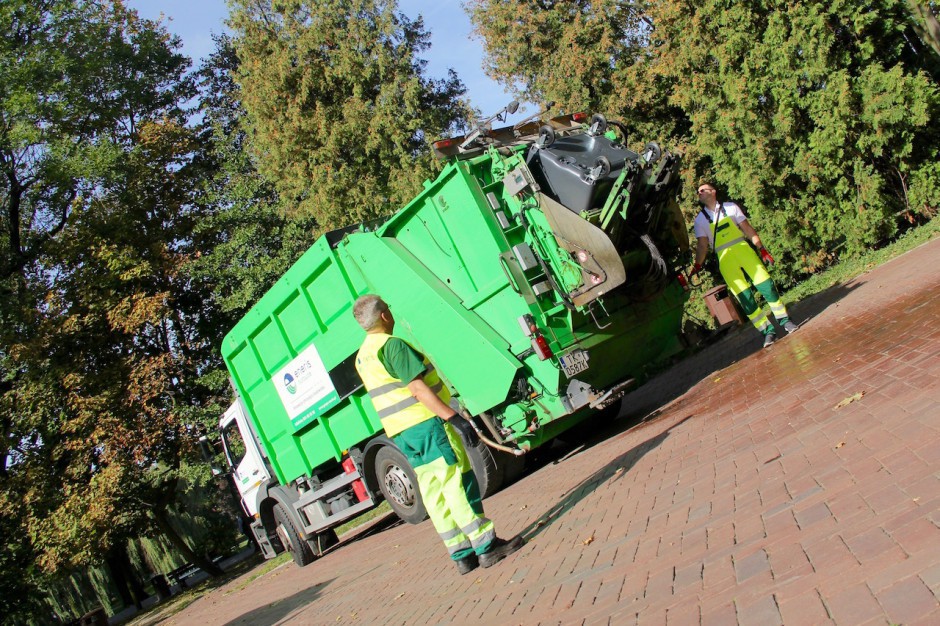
[487,440]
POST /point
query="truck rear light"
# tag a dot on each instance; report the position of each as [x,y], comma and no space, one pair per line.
[541,348]
[579,117]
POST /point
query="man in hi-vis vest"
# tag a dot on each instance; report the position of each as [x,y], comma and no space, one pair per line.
[412,403]
[723,226]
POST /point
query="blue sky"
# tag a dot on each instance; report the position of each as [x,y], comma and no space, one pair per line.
[451,44]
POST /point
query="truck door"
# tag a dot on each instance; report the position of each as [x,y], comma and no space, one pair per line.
[243,456]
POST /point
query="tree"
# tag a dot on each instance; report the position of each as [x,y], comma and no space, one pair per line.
[581,55]
[926,23]
[245,235]
[340,112]
[102,332]
[817,116]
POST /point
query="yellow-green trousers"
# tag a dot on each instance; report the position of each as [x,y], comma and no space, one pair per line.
[743,272]
[448,486]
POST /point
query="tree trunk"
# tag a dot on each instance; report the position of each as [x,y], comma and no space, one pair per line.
[163,523]
[928,25]
[125,578]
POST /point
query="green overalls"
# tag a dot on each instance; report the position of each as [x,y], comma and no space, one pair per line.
[741,268]
[448,486]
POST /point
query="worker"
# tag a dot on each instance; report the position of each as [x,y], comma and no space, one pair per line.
[724,227]
[413,404]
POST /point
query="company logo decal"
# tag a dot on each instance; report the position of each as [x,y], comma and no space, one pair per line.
[290,384]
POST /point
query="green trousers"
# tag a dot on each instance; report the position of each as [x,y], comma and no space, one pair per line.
[448,486]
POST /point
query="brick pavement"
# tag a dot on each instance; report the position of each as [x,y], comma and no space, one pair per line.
[759,494]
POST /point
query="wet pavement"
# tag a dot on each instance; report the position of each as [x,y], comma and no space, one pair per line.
[797,485]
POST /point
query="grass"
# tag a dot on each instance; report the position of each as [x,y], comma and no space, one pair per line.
[368,516]
[848,269]
[263,569]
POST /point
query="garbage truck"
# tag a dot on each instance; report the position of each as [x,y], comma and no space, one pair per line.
[540,273]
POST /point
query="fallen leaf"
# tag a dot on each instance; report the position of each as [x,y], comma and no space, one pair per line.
[523,507]
[401,595]
[619,471]
[717,379]
[840,444]
[541,522]
[849,400]
[916,499]
[589,540]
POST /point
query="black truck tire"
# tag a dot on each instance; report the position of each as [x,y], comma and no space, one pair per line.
[399,485]
[290,538]
[488,470]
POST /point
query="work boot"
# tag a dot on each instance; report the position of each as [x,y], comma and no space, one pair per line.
[467,564]
[790,327]
[769,339]
[500,549]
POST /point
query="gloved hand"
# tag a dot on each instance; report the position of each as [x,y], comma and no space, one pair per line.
[696,269]
[464,429]
[765,256]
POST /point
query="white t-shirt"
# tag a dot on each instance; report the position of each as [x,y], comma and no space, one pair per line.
[703,221]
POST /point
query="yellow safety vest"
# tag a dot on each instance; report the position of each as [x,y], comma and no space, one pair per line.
[392,399]
[727,234]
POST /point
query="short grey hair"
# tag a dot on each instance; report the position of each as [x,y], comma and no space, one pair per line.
[368,309]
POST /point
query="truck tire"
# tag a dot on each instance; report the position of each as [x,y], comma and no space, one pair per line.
[290,538]
[488,471]
[399,485]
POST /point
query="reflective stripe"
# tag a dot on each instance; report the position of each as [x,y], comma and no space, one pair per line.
[391,398]
[450,534]
[485,538]
[395,408]
[378,391]
[778,310]
[728,244]
[760,320]
[463,545]
[474,525]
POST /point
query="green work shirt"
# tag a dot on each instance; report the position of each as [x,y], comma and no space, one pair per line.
[401,360]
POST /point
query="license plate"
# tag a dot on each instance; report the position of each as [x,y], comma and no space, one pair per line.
[574,362]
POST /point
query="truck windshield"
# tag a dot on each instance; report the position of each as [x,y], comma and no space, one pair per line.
[234,444]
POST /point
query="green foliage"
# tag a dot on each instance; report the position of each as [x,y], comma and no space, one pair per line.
[340,110]
[581,55]
[816,116]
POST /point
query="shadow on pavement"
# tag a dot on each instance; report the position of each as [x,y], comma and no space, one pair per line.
[615,470]
[373,527]
[279,609]
[646,401]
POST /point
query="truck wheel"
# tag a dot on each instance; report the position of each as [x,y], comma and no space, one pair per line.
[489,473]
[290,538]
[399,485]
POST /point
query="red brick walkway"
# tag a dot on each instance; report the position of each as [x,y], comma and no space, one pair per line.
[798,485]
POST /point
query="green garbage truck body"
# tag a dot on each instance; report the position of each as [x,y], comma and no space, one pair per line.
[538,273]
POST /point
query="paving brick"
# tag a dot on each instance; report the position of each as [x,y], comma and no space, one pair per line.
[736,503]
[908,601]
[762,611]
[853,605]
[788,561]
[751,565]
[805,608]
[871,543]
[917,536]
